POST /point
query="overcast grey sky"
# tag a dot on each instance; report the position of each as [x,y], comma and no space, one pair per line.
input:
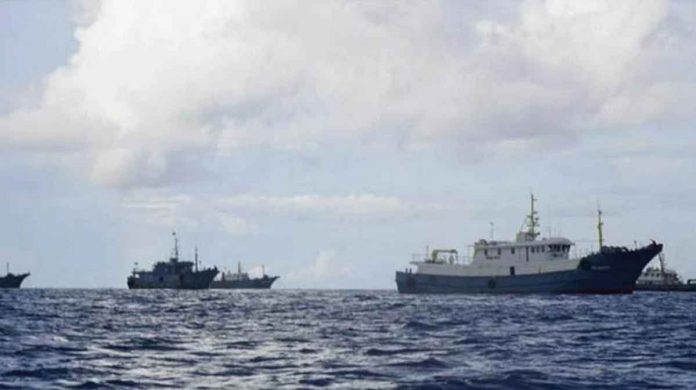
[330,140]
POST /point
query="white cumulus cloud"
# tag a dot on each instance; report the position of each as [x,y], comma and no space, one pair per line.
[240,214]
[368,206]
[325,268]
[156,88]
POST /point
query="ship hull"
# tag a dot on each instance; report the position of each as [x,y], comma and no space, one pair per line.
[607,272]
[12,281]
[667,287]
[189,281]
[258,283]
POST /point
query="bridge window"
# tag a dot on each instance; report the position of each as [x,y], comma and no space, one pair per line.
[499,252]
[512,250]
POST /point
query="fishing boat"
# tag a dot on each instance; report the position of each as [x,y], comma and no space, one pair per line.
[661,278]
[11,280]
[241,280]
[174,274]
[528,264]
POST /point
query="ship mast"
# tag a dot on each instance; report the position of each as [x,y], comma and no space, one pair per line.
[600,225]
[533,219]
[532,222]
[661,256]
[176,246]
[196,257]
[239,267]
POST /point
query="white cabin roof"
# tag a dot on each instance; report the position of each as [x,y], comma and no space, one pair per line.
[485,244]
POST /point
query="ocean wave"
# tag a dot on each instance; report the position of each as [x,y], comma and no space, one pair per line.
[344,339]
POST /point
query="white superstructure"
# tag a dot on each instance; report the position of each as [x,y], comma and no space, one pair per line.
[661,275]
[239,275]
[525,255]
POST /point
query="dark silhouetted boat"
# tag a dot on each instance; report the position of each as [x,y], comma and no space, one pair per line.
[11,280]
[175,274]
[241,280]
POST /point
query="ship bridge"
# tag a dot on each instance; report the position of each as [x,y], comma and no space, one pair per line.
[551,248]
[526,254]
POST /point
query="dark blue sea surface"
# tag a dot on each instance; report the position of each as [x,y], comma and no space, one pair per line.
[344,339]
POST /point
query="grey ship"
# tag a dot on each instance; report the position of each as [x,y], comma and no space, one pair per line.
[528,265]
[241,280]
[174,274]
[663,279]
[11,280]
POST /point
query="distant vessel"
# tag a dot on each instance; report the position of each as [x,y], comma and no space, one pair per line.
[241,280]
[11,280]
[174,274]
[528,265]
[663,279]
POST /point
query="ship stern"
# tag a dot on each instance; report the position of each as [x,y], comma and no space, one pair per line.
[406,283]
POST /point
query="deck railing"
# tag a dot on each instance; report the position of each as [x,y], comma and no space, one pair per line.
[575,253]
[443,258]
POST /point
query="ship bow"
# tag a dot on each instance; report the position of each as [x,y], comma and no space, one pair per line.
[615,269]
[12,281]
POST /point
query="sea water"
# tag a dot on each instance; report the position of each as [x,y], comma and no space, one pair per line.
[58,338]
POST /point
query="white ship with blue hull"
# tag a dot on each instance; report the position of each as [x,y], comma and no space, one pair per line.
[529,265]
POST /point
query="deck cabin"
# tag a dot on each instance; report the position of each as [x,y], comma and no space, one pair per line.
[527,254]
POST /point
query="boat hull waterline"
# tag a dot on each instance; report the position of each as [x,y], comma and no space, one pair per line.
[256,283]
[691,287]
[197,280]
[605,272]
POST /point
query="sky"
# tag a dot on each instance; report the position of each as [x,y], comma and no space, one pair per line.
[329,141]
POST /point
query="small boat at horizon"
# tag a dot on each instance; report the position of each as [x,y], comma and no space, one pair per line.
[528,265]
[241,280]
[11,280]
[173,274]
[662,278]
